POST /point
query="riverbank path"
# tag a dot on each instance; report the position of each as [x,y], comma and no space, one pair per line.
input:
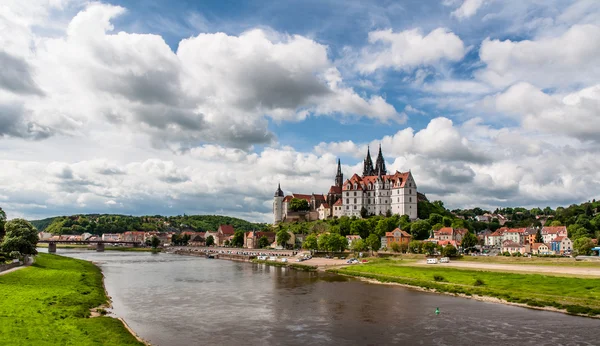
[539,269]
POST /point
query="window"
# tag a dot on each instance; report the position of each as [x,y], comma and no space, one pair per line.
[355,200]
[347,207]
[410,199]
[398,199]
[347,200]
[354,207]
[409,191]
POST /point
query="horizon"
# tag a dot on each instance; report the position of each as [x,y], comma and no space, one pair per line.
[117,107]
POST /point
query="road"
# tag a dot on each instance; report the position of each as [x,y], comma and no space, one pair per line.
[543,269]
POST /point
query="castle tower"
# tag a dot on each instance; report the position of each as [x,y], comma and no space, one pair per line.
[339,177]
[380,163]
[368,164]
[278,205]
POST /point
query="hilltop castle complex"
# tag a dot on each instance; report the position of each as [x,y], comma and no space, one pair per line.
[375,191]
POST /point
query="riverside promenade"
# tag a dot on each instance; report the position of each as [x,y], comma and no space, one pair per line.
[235,254]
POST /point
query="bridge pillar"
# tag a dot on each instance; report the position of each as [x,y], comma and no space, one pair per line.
[100,247]
[51,247]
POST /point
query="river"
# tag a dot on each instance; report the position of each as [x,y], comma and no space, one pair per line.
[178,300]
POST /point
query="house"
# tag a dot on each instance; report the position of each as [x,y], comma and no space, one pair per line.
[324,211]
[551,232]
[495,238]
[351,239]
[215,236]
[444,243]
[224,232]
[514,247]
[501,219]
[111,237]
[529,235]
[540,249]
[44,235]
[561,245]
[484,218]
[337,209]
[197,239]
[251,238]
[383,242]
[397,236]
[516,235]
[449,233]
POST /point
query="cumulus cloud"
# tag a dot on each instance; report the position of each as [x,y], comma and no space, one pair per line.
[409,49]
[467,9]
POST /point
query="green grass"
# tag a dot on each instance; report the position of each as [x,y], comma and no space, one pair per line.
[576,295]
[49,303]
[545,261]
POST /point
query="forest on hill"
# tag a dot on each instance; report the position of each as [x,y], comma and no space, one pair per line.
[111,223]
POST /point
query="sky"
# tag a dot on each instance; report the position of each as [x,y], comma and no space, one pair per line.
[203,107]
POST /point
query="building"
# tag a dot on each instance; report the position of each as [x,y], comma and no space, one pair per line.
[251,238]
[561,245]
[351,239]
[449,234]
[514,247]
[540,249]
[495,238]
[397,236]
[549,233]
[211,234]
[516,235]
[134,236]
[375,192]
[111,237]
[224,232]
[324,211]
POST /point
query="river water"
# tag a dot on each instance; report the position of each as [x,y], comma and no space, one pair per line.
[178,300]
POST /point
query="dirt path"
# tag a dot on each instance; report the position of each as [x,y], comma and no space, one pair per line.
[545,269]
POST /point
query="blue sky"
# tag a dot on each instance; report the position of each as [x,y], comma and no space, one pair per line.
[201,106]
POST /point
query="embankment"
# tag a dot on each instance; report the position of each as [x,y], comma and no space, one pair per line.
[49,302]
[578,296]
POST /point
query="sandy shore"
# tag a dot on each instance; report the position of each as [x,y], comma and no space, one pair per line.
[543,269]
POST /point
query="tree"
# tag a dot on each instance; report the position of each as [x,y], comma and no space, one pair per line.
[226,242]
[324,243]
[297,204]
[2,222]
[20,236]
[576,231]
[373,242]
[359,245]
[360,227]
[583,246]
[555,223]
[338,242]
[210,240]
[469,241]
[154,242]
[415,246]
[420,229]
[395,247]
[310,243]
[364,213]
[435,218]
[282,238]
[449,251]
[263,242]
[428,248]
[538,236]
[238,239]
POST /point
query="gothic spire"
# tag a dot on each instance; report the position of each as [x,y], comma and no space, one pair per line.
[368,164]
[279,193]
[339,177]
[380,163]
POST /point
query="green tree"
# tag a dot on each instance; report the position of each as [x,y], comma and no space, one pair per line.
[238,239]
[360,227]
[324,242]
[2,222]
[538,236]
[263,242]
[449,251]
[435,218]
[415,246]
[297,204]
[374,242]
[469,241]
[226,242]
[555,223]
[210,240]
[364,213]
[583,246]
[345,225]
[155,242]
[282,238]
[338,242]
[395,247]
[576,231]
[359,245]
[428,248]
[310,243]
[420,229]
[20,236]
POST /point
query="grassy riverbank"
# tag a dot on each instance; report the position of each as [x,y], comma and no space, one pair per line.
[573,295]
[49,303]
[297,266]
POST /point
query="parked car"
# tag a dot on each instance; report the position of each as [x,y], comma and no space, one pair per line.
[432,261]
[444,260]
[284,260]
[272,258]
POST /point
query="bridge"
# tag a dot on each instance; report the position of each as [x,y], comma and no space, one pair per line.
[99,243]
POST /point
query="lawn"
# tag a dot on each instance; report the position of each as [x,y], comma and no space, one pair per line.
[549,261]
[576,295]
[48,303]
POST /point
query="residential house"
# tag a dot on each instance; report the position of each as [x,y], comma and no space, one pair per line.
[383,242]
[337,209]
[397,236]
[530,233]
[501,219]
[44,235]
[251,238]
[111,237]
[133,236]
[495,239]
[449,233]
[514,247]
[549,233]
[561,245]
[324,211]
[351,239]
[197,239]
[224,232]
[540,249]
[484,218]
[516,235]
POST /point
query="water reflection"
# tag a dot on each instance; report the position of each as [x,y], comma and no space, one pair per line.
[178,300]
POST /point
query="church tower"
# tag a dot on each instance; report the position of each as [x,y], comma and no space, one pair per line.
[380,163]
[278,205]
[368,165]
[339,177]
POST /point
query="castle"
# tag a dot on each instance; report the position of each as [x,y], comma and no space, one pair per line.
[376,191]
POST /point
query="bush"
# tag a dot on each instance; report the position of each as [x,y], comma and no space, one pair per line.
[506,253]
[478,282]
[439,278]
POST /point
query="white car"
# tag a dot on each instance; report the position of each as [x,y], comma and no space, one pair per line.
[432,261]
[272,258]
[284,260]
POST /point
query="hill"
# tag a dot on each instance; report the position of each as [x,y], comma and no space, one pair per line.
[112,223]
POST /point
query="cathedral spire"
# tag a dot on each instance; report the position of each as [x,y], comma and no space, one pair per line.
[368,164]
[339,177]
[279,193]
[380,163]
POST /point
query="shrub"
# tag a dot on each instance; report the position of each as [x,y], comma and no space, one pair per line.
[478,282]
[439,278]
[506,253]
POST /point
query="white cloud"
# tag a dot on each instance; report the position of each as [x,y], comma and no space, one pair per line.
[467,9]
[409,49]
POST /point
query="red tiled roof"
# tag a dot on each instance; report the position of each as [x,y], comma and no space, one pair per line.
[510,243]
[335,190]
[226,229]
[554,229]
[516,230]
[391,234]
[557,239]
[445,230]
[287,198]
[325,205]
[536,246]
[352,237]
[338,202]
[398,179]
[446,242]
[319,197]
